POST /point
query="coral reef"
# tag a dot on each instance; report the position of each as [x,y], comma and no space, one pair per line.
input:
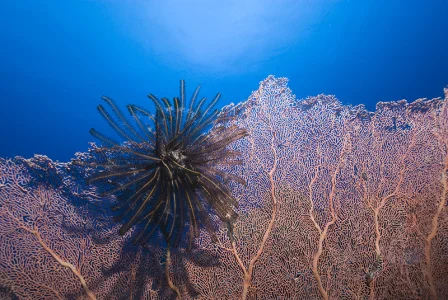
[340,203]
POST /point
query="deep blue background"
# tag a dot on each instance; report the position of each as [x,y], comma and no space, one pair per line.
[58,57]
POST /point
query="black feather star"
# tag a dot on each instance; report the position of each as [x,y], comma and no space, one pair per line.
[165,176]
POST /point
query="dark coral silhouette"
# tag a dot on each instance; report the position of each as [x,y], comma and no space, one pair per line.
[165,175]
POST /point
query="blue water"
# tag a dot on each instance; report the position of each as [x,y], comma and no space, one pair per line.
[58,57]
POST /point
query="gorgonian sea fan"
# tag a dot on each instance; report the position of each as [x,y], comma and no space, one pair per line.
[165,176]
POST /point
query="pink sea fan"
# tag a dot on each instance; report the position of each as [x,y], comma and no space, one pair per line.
[339,203]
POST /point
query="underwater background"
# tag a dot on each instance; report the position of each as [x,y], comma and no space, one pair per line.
[313,180]
[59,57]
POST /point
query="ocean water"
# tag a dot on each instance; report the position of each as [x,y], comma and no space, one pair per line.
[360,184]
[58,58]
